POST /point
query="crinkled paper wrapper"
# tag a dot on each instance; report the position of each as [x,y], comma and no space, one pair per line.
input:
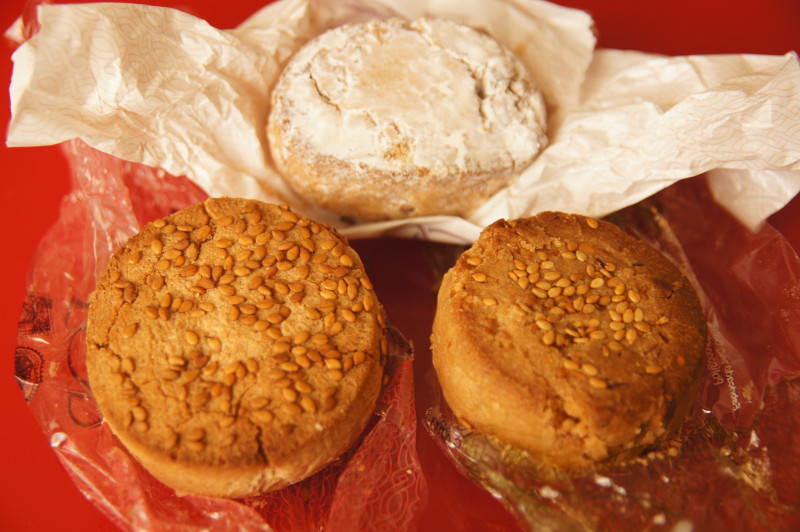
[735,462]
[166,89]
[377,485]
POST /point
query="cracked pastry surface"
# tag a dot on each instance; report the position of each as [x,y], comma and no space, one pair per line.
[568,338]
[235,347]
[388,118]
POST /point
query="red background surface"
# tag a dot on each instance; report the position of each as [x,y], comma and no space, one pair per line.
[37,494]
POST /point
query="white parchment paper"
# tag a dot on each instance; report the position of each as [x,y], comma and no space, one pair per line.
[161,87]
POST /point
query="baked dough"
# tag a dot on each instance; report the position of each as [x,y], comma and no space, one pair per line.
[392,119]
[235,347]
[568,338]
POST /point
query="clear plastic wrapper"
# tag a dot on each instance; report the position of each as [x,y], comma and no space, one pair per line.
[378,484]
[734,463]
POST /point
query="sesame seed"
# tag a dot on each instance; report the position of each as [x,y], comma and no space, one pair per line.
[194,434]
[597,335]
[598,383]
[369,302]
[191,375]
[263,416]
[248,309]
[242,271]
[289,366]
[203,232]
[290,394]
[366,283]
[538,292]
[615,346]
[130,330]
[308,404]
[291,409]
[170,374]
[549,337]
[590,369]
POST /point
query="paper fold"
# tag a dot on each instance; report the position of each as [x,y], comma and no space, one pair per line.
[163,88]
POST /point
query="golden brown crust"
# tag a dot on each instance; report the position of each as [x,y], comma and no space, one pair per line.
[568,338]
[235,347]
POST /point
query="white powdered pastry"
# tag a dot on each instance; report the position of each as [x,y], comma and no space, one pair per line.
[392,119]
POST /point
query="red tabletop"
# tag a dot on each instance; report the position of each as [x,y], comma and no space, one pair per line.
[36,492]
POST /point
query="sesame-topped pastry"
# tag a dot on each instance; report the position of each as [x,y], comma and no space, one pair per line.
[568,338]
[389,118]
[235,347]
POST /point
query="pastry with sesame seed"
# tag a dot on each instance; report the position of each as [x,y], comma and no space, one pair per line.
[568,338]
[384,119]
[235,347]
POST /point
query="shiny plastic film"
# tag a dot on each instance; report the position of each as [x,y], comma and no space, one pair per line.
[733,464]
[378,484]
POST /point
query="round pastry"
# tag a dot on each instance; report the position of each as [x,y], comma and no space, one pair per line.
[569,339]
[387,118]
[235,347]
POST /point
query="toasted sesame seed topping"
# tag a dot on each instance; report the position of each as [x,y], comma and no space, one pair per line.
[598,383]
[258,273]
[130,330]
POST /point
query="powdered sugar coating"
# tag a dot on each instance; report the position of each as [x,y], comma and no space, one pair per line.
[407,110]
